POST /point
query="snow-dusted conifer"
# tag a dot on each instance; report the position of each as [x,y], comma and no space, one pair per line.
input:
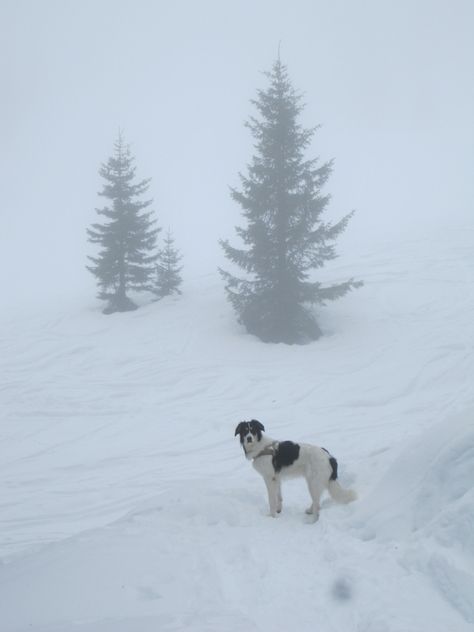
[127,240]
[285,237]
[168,277]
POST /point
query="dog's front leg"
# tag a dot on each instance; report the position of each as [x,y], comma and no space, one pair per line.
[280,497]
[273,495]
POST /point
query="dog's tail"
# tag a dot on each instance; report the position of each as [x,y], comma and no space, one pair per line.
[340,494]
[337,492]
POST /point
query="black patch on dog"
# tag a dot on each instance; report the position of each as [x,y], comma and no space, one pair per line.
[285,455]
[254,427]
[333,464]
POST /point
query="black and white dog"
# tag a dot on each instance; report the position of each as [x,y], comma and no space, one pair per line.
[275,460]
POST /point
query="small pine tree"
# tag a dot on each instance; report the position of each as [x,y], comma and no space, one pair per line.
[167,270]
[128,239]
[285,237]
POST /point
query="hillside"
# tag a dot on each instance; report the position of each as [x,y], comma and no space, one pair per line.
[127,505]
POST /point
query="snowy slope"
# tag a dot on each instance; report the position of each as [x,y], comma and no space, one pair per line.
[127,505]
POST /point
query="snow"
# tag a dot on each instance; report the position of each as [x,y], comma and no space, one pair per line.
[127,505]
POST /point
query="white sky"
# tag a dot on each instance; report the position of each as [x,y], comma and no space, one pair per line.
[390,82]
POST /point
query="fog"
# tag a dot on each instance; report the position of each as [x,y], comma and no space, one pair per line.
[389,82]
[120,469]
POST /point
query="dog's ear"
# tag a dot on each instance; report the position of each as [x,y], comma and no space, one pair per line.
[258,425]
[237,430]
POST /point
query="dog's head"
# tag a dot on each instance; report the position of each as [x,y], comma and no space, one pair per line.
[250,432]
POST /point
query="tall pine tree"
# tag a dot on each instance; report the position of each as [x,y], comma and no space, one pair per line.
[168,278]
[285,238]
[127,239]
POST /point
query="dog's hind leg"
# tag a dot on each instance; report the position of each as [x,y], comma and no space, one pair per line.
[315,491]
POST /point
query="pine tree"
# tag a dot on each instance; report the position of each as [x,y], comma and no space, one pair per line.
[285,238]
[128,239]
[168,270]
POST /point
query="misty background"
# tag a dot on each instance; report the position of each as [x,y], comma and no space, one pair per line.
[391,84]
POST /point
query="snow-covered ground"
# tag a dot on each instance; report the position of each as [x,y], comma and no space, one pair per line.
[127,505]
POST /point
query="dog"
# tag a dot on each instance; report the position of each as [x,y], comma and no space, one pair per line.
[275,460]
